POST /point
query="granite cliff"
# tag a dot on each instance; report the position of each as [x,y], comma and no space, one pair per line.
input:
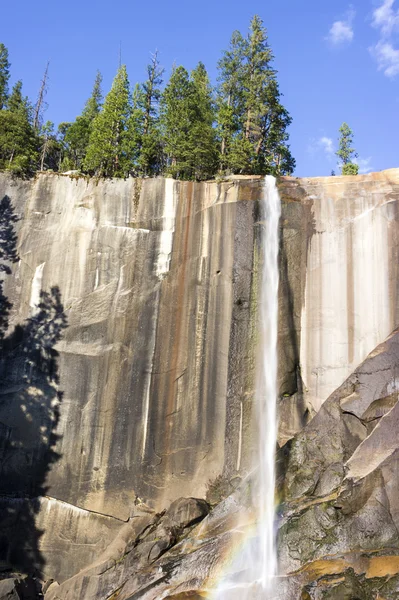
[127,382]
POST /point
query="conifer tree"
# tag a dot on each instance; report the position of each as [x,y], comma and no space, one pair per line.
[136,128]
[150,151]
[176,106]
[93,104]
[346,152]
[203,149]
[187,116]
[17,103]
[4,75]
[257,124]
[75,136]
[230,100]
[18,141]
[108,150]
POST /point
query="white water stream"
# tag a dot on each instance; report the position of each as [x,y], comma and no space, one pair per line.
[266,388]
[252,574]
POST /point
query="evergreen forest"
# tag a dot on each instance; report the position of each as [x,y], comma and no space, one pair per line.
[184,128]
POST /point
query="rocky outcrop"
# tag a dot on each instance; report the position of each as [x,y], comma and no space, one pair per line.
[127,367]
[340,519]
[139,545]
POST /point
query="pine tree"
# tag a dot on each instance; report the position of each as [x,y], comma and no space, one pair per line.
[256,140]
[108,150]
[75,136]
[17,103]
[136,129]
[176,118]
[94,103]
[18,141]
[187,116]
[230,101]
[151,151]
[346,152]
[4,75]
[203,153]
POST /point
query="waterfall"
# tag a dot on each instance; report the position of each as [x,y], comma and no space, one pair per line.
[266,388]
[251,574]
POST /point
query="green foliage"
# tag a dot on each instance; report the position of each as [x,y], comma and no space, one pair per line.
[18,144]
[74,137]
[150,150]
[17,103]
[108,150]
[187,131]
[18,141]
[187,114]
[346,152]
[350,169]
[176,106]
[93,104]
[50,148]
[4,75]
[230,97]
[252,122]
[135,128]
[203,148]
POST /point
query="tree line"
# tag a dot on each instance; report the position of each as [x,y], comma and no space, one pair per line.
[187,129]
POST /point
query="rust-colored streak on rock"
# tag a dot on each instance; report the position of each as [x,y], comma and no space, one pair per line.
[180,297]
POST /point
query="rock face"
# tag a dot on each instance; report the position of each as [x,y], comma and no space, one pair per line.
[340,517]
[348,252]
[127,367]
[128,373]
[338,522]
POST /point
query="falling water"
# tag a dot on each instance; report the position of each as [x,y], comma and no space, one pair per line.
[251,575]
[266,388]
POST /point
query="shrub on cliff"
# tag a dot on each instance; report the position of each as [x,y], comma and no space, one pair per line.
[350,169]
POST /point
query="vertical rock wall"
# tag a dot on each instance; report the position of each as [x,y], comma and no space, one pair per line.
[145,391]
[153,385]
[349,287]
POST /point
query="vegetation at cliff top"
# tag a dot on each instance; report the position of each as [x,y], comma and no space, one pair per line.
[186,129]
[346,152]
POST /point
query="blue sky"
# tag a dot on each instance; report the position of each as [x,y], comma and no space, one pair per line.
[336,60]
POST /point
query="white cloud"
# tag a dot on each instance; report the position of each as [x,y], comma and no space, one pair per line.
[364,164]
[323,144]
[386,55]
[327,145]
[342,31]
[385,18]
[387,58]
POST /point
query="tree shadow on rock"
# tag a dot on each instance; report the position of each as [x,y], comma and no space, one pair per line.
[29,414]
[8,255]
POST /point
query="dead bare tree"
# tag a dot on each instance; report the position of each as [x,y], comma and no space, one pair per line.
[40,104]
